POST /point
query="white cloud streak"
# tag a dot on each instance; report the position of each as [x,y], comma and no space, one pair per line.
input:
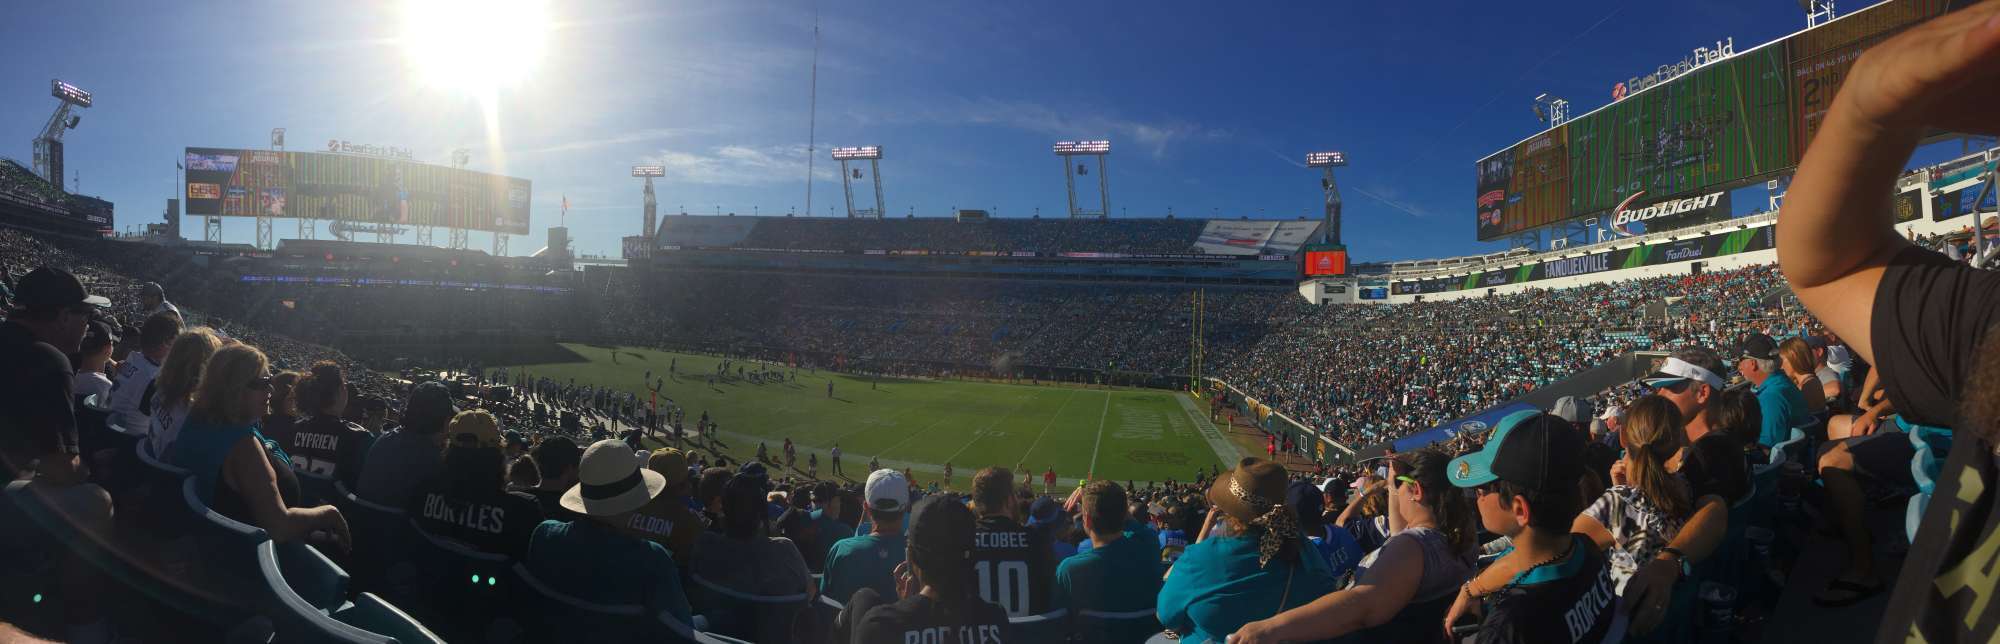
[740,165]
[1155,137]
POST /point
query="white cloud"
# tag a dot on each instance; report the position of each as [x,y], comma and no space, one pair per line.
[1155,137]
[1389,197]
[740,165]
[636,136]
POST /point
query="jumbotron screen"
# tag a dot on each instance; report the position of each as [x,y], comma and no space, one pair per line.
[265,183]
[1326,263]
[1716,127]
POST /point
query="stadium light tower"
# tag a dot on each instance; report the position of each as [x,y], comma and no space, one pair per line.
[873,155]
[1326,162]
[49,146]
[1551,110]
[1818,12]
[1100,149]
[652,205]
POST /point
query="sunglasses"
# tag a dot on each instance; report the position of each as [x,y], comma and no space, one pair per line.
[1676,385]
[259,383]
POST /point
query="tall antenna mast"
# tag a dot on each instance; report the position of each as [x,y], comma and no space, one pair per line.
[812,113]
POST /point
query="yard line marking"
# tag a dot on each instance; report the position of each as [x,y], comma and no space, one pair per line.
[1100,434]
[885,451]
[1046,426]
[982,431]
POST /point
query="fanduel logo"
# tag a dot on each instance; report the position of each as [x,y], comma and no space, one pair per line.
[1664,209]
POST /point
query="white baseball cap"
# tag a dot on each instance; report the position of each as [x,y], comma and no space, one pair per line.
[887,491]
[1612,411]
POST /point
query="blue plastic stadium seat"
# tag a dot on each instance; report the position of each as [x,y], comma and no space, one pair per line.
[384,541]
[369,613]
[763,618]
[1052,626]
[297,618]
[309,574]
[462,591]
[228,566]
[549,615]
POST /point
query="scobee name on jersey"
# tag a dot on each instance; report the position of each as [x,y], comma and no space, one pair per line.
[1663,209]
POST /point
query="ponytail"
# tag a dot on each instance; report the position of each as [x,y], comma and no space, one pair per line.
[1652,436]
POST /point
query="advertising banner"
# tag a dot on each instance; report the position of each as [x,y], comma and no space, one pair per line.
[1668,215]
[1290,235]
[1235,237]
[369,190]
[1708,246]
[1480,422]
[1909,205]
[1953,204]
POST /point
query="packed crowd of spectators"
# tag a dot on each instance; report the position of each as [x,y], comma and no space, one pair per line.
[20,182]
[1055,235]
[1371,374]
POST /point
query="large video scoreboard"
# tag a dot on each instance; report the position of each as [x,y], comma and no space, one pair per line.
[265,183]
[1721,126]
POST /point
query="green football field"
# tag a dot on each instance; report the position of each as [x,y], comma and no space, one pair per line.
[1137,434]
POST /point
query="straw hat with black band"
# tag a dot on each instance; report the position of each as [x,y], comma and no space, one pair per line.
[610,481]
[1254,494]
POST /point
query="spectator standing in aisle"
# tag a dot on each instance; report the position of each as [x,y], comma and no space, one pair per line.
[590,558]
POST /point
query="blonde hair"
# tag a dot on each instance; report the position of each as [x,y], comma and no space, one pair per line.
[1652,436]
[1796,356]
[181,371]
[219,398]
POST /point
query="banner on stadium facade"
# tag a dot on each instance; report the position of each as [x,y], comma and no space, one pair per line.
[1705,247]
[1474,424]
[1953,204]
[1290,235]
[1908,205]
[1668,215]
[1235,237]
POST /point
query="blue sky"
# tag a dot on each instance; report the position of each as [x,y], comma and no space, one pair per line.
[1209,105]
